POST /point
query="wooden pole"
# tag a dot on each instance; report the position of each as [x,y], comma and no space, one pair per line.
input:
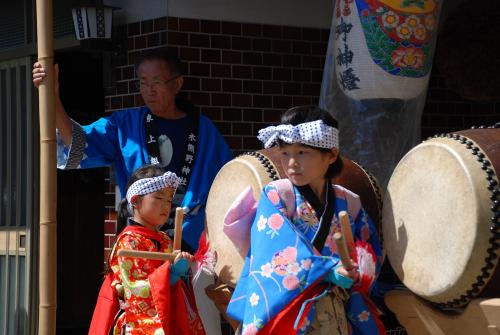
[341,244]
[179,219]
[161,256]
[345,225]
[48,197]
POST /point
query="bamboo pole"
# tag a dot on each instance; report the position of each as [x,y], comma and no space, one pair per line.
[48,225]
[179,219]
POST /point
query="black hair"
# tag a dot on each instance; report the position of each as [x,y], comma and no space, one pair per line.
[146,171]
[166,55]
[310,113]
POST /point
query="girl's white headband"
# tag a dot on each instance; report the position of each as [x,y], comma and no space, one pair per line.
[316,134]
[149,185]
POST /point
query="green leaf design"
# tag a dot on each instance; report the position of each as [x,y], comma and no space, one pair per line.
[257,322]
[381,47]
[417,3]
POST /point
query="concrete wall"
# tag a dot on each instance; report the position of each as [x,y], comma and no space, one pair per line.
[298,13]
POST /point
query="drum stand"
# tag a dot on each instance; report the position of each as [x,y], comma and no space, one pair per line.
[480,317]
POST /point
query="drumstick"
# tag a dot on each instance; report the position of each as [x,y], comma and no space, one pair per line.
[342,250]
[179,218]
[161,256]
[345,225]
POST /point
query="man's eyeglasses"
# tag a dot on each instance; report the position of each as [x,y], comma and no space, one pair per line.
[155,84]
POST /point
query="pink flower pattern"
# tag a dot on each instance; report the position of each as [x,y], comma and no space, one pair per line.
[306,264]
[273,196]
[284,262]
[250,329]
[291,282]
[290,254]
[275,222]
[364,316]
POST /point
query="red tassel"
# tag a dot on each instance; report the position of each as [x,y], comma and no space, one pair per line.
[203,248]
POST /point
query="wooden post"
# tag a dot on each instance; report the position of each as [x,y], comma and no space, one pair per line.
[48,196]
[179,219]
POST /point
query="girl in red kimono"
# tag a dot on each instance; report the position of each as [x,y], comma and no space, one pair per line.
[153,297]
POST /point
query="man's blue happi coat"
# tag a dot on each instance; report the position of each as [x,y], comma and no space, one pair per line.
[119,140]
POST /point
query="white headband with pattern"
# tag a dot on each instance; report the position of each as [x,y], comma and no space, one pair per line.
[149,185]
[315,134]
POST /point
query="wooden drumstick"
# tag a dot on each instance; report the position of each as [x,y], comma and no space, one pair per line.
[340,242]
[179,219]
[345,225]
[161,256]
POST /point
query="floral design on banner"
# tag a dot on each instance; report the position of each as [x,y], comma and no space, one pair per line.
[399,34]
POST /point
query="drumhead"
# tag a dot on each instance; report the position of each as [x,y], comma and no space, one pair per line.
[253,169]
[436,220]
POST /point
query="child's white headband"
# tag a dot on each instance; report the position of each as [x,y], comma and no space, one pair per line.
[149,185]
[315,134]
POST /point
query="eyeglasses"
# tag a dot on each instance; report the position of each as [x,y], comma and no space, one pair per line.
[155,84]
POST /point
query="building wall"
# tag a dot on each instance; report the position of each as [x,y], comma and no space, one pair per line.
[298,13]
[445,111]
[244,75]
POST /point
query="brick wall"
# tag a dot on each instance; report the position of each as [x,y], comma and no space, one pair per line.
[446,111]
[243,76]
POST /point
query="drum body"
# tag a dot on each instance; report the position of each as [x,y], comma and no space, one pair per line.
[257,169]
[441,217]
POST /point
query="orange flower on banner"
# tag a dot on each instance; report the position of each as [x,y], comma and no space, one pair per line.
[390,19]
[404,31]
[412,21]
[420,32]
[408,57]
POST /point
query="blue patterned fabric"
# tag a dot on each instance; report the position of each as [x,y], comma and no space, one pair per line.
[282,262]
[119,140]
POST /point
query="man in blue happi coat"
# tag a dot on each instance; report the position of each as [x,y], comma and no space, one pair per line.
[167,131]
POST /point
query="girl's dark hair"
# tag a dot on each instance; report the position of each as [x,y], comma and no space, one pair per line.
[146,171]
[310,113]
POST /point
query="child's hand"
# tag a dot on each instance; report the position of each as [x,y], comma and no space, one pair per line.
[352,273]
[183,255]
[180,267]
[342,277]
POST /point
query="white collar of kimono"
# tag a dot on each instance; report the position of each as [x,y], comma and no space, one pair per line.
[315,134]
[149,185]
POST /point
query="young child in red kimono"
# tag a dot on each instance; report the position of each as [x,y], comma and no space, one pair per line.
[153,299]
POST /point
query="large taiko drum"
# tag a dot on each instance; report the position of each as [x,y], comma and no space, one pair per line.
[441,221]
[258,169]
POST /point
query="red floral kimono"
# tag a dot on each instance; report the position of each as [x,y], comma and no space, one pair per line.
[151,306]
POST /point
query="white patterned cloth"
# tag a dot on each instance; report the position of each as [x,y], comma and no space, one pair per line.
[149,185]
[315,134]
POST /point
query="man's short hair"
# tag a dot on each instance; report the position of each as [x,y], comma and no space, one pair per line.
[166,55]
